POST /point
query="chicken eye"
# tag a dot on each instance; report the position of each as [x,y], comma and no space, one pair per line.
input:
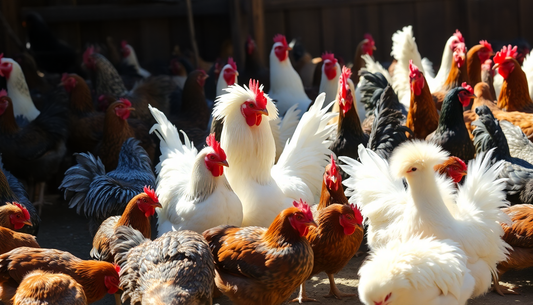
[413,169]
[212,157]
[252,105]
[18,216]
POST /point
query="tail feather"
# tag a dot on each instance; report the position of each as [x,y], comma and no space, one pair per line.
[374,67]
[285,128]
[488,134]
[372,85]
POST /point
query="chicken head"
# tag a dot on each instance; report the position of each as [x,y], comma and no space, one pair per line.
[329,66]
[303,218]
[350,218]
[416,78]
[5,67]
[505,60]
[148,201]
[332,177]
[229,72]
[281,48]
[19,216]
[345,98]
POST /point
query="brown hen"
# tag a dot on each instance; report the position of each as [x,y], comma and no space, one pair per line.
[11,240]
[422,117]
[457,76]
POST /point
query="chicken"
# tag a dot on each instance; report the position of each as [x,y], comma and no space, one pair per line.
[428,206]
[130,58]
[349,131]
[518,173]
[438,82]
[11,190]
[451,133]
[253,67]
[416,271]
[477,56]
[11,240]
[227,77]
[286,87]
[458,75]
[367,46]
[34,151]
[118,127]
[454,168]
[42,288]
[18,89]
[153,91]
[423,117]
[519,145]
[96,278]
[263,266]
[86,126]
[51,54]
[518,235]
[527,67]
[176,268]
[487,76]
[98,194]
[178,72]
[514,94]
[329,80]
[266,189]
[194,112]
[191,185]
[338,234]
[375,71]
[137,215]
[14,216]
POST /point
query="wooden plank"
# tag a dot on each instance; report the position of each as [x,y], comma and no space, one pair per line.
[397,16]
[275,25]
[365,19]
[506,13]
[431,13]
[309,4]
[337,32]
[479,14]
[526,22]
[10,11]
[305,24]
[236,33]
[154,44]
[258,26]
[116,12]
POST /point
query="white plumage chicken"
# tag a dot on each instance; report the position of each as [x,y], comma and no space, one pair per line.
[427,206]
[266,189]
[190,184]
[227,77]
[130,58]
[286,86]
[419,271]
[329,81]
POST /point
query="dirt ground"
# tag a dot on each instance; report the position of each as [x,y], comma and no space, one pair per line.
[63,229]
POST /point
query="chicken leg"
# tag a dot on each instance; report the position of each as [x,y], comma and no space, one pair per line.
[40,202]
[499,289]
[302,296]
[334,292]
[117,299]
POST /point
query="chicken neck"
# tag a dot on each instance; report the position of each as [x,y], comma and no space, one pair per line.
[134,217]
[80,97]
[329,197]
[8,124]
[473,64]
[280,233]
[456,77]
[423,117]
[349,122]
[514,94]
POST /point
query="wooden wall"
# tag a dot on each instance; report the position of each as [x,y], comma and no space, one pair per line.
[154,27]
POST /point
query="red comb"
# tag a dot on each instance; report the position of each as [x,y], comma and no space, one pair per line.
[126,102]
[333,169]
[64,77]
[508,51]
[23,209]
[260,98]
[459,36]
[413,70]
[329,56]
[151,193]
[212,142]
[460,47]
[487,65]
[87,54]
[282,39]
[486,45]
[461,162]
[369,37]
[101,97]
[123,43]
[3,92]
[343,81]
[467,87]
[303,207]
[232,63]
[117,267]
[357,214]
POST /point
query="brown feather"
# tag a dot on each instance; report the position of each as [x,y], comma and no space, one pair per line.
[473,64]
[514,94]
[8,124]
[6,211]
[422,117]
[11,240]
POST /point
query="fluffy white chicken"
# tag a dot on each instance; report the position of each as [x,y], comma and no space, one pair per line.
[527,67]
[190,184]
[329,81]
[286,86]
[426,206]
[227,77]
[17,89]
[130,58]
[418,271]
[266,189]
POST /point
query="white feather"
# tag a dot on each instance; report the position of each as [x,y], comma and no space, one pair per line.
[17,90]
[329,87]
[221,83]
[192,198]
[131,60]
[497,83]
[437,83]
[282,130]
[527,67]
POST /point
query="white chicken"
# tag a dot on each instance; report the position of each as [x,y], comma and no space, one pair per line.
[17,89]
[286,86]
[190,184]
[418,271]
[266,189]
[329,81]
[227,77]
[130,58]
[426,206]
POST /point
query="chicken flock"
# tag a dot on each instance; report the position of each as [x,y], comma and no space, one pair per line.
[254,192]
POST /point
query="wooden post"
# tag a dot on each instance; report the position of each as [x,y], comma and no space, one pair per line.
[258,25]
[192,33]
[9,15]
[236,32]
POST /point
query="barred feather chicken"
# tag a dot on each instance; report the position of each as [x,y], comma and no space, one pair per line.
[11,240]
[263,266]
[137,215]
[99,195]
[176,268]
[43,288]
[519,145]
[96,278]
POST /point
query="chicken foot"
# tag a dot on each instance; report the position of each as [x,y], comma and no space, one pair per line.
[40,202]
[334,292]
[499,289]
[302,296]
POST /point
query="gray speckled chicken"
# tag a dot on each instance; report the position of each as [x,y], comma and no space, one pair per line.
[519,144]
[176,268]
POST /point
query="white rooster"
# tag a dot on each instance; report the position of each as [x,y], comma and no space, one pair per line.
[329,81]
[130,58]
[17,89]
[286,86]
[190,184]
[426,205]
[227,77]
[418,271]
[266,189]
